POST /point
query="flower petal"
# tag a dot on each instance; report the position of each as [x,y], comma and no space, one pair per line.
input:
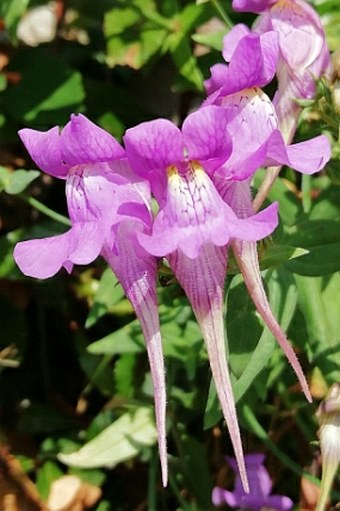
[137,274]
[44,257]
[307,157]
[44,149]
[86,242]
[151,147]
[247,258]
[252,118]
[206,137]
[253,63]
[301,33]
[82,141]
[256,6]
[257,226]
[203,281]
[231,40]
[218,77]
[194,214]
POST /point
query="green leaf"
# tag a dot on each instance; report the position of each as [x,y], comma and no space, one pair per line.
[127,339]
[322,240]
[123,440]
[186,63]
[283,299]
[189,18]
[124,375]
[319,301]
[47,474]
[109,293]
[133,35]
[20,180]
[3,82]
[12,11]
[213,40]
[275,255]
[194,464]
[290,206]
[243,326]
[47,97]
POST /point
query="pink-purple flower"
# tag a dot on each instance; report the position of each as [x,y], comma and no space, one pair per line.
[303,53]
[194,225]
[260,496]
[252,118]
[109,206]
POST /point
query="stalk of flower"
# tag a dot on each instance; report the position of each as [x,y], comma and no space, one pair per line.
[257,141]
[260,497]
[238,196]
[303,58]
[107,205]
[194,225]
[328,415]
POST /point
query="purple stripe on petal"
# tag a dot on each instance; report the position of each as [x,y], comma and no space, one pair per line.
[44,149]
[194,214]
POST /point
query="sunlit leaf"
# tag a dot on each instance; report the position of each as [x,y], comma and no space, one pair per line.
[123,440]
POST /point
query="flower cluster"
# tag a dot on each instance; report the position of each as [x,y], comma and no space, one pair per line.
[200,176]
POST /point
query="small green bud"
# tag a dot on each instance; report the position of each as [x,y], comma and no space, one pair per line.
[328,415]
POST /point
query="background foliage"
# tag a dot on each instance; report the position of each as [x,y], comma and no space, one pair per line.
[75,388]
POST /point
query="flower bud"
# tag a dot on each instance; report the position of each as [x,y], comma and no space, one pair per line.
[328,415]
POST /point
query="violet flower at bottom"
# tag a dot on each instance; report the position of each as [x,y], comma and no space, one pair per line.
[260,497]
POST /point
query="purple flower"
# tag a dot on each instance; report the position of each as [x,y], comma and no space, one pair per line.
[304,55]
[259,497]
[194,225]
[252,116]
[257,141]
[108,207]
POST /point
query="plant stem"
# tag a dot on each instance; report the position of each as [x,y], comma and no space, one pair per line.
[222,13]
[39,206]
[306,192]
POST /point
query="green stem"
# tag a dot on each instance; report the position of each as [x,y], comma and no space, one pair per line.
[222,13]
[152,500]
[306,192]
[39,206]
[329,120]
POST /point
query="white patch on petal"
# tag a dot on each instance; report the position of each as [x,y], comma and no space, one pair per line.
[190,195]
